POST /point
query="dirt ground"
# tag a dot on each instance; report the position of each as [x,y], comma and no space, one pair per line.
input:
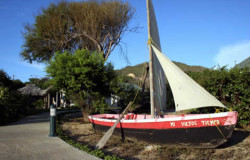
[237,148]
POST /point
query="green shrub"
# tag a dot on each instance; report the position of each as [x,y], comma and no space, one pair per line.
[4,79]
[100,105]
[3,93]
[127,93]
[83,75]
[13,105]
[39,104]
[113,157]
[231,87]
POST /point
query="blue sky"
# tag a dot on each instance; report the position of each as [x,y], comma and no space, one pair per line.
[195,32]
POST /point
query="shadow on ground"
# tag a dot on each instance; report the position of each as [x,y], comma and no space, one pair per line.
[238,136]
[44,117]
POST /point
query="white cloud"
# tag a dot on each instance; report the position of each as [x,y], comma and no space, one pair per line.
[230,54]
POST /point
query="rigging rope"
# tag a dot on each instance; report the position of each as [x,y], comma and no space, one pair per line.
[150,42]
[218,129]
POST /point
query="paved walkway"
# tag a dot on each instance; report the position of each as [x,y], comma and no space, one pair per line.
[28,140]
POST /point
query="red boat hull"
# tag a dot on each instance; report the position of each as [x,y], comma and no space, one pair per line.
[200,130]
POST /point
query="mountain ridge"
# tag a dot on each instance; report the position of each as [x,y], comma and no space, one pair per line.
[139,69]
[244,63]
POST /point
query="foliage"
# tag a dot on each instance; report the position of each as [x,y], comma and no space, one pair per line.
[84,75]
[96,152]
[68,26]
[100,106]
[170,99]
[39,104]
[3,93]
[127,93]
[4,79]
[231,87]
[13,105]
[42,83]
[16,84]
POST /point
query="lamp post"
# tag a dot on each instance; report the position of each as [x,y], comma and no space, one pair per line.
[52,121]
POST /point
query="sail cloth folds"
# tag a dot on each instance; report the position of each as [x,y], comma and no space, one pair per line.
[186,92]
[158,90]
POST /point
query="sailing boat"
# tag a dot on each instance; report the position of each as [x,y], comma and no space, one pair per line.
[200,130]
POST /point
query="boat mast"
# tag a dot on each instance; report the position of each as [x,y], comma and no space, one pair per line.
[152,104]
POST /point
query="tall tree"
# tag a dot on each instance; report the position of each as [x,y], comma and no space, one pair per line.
[68,26]
[83,75]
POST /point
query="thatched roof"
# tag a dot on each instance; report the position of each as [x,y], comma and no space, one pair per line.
[33,90]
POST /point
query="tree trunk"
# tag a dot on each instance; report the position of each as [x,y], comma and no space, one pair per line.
[85,115]
[57,99]
[45,102]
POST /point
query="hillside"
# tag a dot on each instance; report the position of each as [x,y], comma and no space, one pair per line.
[139,69]
[245,63]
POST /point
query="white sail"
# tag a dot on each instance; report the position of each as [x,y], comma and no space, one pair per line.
[157,76]
[186,92]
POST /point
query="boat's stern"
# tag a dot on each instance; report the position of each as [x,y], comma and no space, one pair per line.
[232,118]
